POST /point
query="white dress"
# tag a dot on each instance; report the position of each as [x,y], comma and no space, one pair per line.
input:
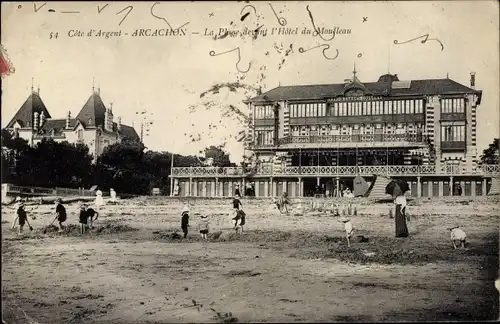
[112,194]
[99,201]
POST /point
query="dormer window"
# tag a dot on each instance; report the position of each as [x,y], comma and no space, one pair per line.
[90,121]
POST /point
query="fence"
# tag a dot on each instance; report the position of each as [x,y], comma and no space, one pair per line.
[13,190]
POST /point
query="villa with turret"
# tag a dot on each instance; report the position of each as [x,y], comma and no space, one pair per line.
[306,137]
[93,126]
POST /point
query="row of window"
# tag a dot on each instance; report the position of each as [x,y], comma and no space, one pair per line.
[357,108]
[264,137]
[366,108]
[453,132]
[368,129]
[452,105]
[264,112]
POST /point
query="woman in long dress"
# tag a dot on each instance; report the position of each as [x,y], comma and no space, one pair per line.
[401,227]
[99,201]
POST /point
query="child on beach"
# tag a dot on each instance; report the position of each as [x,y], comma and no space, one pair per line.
[204,226]
[185,220]
[22,218]
[61,215]
[236,206]
[91,213]
[83,218]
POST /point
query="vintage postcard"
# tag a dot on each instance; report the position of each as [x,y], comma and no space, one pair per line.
[240,161]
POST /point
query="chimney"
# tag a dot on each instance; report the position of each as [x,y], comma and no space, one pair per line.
[119,124]
[42,119]
[473,80]
[68,119]
[35,120]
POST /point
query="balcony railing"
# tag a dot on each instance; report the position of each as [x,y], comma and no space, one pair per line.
[388,170]
[451,146]
[416,138]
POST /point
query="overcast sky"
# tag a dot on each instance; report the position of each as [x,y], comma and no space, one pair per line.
[165,75]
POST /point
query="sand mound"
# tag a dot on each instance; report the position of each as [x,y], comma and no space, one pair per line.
[114,228]
[73,229]
[215,235]
[229,236]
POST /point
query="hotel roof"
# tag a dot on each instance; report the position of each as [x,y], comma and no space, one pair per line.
[384,87]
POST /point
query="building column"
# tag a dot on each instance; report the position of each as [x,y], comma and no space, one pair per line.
[473,188]
[429,188]
[190,187]
[462,184]
[337,186]
[266,189]
[440,188]
[203,188]
[285,186]
[273,188]
[451,186]
[230,188]
[301,190]
[213,190]
[318,180]
[257,190]
[485,187]
[221,189]
[195,188]
[294,190]
[419,187]
[216,187]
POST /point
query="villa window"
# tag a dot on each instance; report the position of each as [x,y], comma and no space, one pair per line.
[453,132]
[80,134]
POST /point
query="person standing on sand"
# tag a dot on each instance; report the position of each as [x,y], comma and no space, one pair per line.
[185,220]
[400,218]
[204,226]
[83,219]
[236,206]
[22,218]
[99,201]
[61,215]
[18,202]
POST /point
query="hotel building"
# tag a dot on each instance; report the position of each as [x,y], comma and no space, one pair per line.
[309,136]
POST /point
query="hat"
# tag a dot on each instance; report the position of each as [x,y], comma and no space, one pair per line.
[204,216]
[344,219]
[18,199]
[59,200]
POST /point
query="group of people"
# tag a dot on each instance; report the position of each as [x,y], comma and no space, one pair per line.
[87,216]
[204,223]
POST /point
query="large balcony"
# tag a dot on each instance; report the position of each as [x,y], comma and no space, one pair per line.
[346,141]
[295,171]
[353,138]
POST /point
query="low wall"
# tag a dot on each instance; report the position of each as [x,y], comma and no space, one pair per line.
[10,190]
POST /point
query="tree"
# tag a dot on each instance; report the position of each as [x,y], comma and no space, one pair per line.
[491,154]
[53,164]
[121,167]
[219,156]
